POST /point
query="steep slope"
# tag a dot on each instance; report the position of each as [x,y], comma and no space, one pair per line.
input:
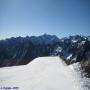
[45,73]
[83,79]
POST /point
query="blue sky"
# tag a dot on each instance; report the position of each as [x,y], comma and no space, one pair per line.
[36,17]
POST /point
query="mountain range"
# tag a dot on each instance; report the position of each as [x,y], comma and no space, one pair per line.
[22,50]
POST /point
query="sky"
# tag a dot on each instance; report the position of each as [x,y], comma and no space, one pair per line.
[36,17]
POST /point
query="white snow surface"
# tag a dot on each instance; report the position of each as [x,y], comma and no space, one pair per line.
[44,73]
[69,56]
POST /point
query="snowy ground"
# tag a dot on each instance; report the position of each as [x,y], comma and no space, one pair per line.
[44,73]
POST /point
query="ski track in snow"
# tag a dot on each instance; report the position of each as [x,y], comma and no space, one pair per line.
[44,73]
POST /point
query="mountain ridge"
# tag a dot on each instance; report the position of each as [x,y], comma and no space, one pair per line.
[22,50]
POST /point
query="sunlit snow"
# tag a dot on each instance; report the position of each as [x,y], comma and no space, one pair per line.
[44,73]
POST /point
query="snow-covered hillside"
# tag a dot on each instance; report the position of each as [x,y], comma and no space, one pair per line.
[44,73]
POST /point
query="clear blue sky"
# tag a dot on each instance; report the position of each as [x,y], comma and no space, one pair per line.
[36,17]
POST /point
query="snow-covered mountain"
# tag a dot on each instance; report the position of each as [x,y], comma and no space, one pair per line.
[22,50]
[74,48]
[44,73]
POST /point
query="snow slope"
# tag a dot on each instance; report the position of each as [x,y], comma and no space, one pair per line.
[44,73]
